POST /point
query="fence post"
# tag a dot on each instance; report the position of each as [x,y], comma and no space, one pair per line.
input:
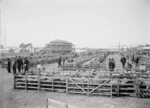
[14,81]
[26,81]
[39,80]
[66,85]
[88,85]
[53,81]
[118,87]
[137,87]
[111,90]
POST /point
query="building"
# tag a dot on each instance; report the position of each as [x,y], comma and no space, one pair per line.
[25,48]
[144,50]
[59,47]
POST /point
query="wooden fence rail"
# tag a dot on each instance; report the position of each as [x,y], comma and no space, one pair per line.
[87,86]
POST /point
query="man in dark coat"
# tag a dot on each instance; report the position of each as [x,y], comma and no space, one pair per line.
[20,64]
[15,66]
[137,60]
[123,61]
[9,66]
[59,62]
[26,64]
[129,66]
[110,65]
[133,59]
[113,65]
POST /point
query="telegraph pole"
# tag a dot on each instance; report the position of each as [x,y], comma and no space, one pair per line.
[119,47]
[5,38]
[0,25]
[1,73]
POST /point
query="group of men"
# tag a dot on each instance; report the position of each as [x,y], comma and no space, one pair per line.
[111,64]
[124,61]
[136,60]
[60,60]
[127,64]
[18,64]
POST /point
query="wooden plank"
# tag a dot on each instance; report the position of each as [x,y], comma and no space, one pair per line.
[25,81]
[46,89]
[60,86]
[32,87]
[104,89]
[78,86]
[99,86]
[53,82]
[20,87]
[61,82]
[102,93]
[79,83]
[111,90]
[125,93]
[32,83]
[19,76]
[88,86]
[127,88]
[66,85]
[44,81]
[49,85]
[75,92]
[118,87]
[39,81]
[19,80]
[32,80]
[56,102]
[14,82]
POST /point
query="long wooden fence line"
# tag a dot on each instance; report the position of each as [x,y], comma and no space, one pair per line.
[68,85]
[88,86]
[51,103]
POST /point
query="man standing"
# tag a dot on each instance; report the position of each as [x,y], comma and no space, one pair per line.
[59,62]
[123,61]
[137,60]
[26,64]
[113,64]
[133,59]
[110,65]
[20,64]
[9,66]
[15,66]
[128,66]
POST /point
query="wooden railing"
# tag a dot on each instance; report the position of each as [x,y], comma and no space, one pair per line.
[111,86]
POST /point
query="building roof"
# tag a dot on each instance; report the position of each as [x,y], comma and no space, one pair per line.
[59,41]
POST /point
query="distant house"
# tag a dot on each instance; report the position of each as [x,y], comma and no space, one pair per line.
[144,50]
[2,51]
[80,50]
[25,48]
[38,49]
[59,47]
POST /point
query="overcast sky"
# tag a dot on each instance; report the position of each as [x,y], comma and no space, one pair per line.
[85,23]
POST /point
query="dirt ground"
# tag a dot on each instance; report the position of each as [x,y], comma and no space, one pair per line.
[10,98]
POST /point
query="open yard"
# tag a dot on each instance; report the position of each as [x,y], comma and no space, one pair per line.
[10,98]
